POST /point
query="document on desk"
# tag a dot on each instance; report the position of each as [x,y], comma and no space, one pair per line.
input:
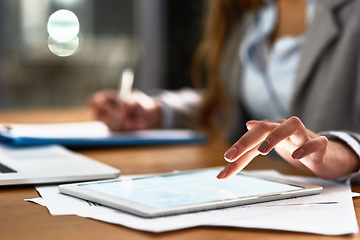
[329,213]
[91,134]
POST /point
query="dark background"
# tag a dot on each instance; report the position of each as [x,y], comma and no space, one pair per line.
[33,77]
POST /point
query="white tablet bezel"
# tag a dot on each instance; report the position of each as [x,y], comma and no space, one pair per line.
[142,210]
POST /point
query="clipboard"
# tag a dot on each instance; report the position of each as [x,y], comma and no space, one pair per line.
[91,134]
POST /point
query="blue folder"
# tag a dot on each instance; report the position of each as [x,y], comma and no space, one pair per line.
[80,135]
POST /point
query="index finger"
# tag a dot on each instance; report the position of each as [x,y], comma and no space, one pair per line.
[233,168]
[249,140]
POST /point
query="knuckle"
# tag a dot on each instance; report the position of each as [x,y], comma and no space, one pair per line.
[295,120]
[274,135]
[241,143]
[324,140]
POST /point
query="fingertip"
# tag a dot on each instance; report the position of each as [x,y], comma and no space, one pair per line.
[250,124]
[229,160]
[230,154]
[222,174]
[263,148]
[298,154]
[225,174]
[325,139]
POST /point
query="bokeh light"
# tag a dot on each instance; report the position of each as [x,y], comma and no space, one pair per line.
[63,49]
[63,27]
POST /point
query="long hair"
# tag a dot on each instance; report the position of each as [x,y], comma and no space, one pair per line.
[219,19]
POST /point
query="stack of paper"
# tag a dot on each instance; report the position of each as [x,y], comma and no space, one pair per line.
[329,213]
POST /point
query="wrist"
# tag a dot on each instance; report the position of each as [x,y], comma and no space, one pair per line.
[341,153]
[157,114]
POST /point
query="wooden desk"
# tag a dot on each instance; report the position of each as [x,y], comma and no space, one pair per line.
[23,220]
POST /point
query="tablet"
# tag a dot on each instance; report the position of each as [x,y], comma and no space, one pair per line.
[184,192]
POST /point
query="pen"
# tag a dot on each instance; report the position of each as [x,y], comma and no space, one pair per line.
[6,126]
[126,83]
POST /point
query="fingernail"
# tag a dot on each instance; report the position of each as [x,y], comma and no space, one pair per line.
[298,153]
[222,174]
[230,154]
[263,147]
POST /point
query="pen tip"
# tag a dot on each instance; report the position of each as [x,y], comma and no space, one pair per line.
[7,126]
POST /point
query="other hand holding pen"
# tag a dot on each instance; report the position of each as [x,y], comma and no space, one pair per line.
[135,112]
[296,144]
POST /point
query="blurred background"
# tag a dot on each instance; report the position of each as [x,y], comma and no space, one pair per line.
[156,38]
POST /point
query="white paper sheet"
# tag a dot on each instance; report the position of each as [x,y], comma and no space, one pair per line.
[326,217]
[329,213]
[38,200]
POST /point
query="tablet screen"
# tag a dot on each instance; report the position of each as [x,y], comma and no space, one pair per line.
[173,190]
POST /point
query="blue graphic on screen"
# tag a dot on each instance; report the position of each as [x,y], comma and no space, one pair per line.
[188,188]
